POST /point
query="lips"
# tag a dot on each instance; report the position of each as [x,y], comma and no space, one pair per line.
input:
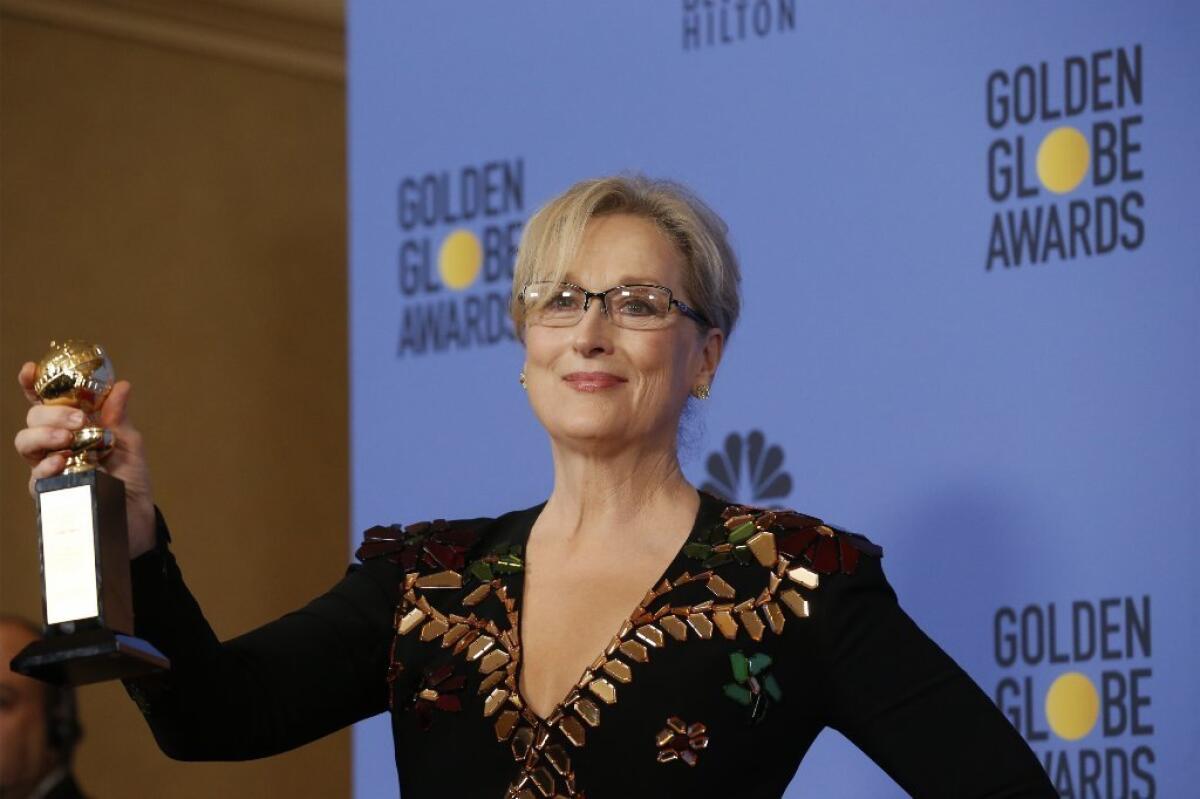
[592,381]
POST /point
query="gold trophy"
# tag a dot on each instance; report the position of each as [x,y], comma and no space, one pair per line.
[83,540]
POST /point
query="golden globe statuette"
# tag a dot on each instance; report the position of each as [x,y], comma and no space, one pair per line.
[83,540]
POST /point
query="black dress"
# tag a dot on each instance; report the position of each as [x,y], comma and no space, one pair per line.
[766,627]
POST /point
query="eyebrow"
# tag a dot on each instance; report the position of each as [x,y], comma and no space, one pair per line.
[625,280]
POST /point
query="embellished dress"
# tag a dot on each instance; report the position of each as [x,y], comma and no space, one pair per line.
[767,627]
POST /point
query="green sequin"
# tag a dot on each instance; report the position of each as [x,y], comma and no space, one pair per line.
[719,559]
[741,666]
[742,532]
[509,564]
[481,571]
[751,689]
[738,694]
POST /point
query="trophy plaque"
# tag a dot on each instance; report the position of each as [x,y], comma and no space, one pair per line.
[83,540]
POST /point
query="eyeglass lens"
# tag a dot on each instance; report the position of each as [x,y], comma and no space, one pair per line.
[627,306]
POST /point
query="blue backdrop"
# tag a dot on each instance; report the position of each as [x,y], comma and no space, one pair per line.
[970,330]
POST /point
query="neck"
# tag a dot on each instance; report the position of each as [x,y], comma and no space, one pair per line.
[600,495]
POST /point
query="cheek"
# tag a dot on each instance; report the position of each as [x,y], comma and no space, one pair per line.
[668,356]
[662,365]
[541,346]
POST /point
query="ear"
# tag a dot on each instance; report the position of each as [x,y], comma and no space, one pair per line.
[710,356]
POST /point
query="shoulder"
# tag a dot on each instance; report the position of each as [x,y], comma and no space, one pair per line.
[433,544]
[445,549]
[816,569]
[788,539]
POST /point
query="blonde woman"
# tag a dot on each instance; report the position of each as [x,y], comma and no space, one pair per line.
[629,636]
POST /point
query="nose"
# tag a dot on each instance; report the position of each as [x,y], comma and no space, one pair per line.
[593,333]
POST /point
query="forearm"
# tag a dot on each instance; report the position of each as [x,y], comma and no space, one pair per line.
[287,683]
[908,705]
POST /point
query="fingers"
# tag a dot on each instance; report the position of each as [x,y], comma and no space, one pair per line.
[54,416]
[35,443]
[113,413]
[48,467]
[25,378]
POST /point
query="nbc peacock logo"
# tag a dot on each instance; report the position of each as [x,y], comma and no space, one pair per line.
[749,471]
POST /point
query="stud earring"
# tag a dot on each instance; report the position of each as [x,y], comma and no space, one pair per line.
[700,391]
[522,379]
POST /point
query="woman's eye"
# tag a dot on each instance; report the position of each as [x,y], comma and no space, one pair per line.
[560,303]
[637,308]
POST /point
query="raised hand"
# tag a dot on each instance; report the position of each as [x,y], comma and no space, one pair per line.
[46,438]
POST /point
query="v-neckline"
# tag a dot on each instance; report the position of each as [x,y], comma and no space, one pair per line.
[708,507]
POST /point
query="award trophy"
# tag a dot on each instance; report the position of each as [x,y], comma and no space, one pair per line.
[83,540]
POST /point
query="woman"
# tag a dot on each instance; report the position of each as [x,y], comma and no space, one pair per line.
[505,647]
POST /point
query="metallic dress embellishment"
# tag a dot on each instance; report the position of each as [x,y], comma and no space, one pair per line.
[558,759]
[796,603]
[480,645]
[763,547]
[438,690]
[701,624]
[571,728]
[651,635]
[494,701]
[492,661]
[522,740]
[793,550]
[506,722]
[478,595]
[442,579]
[432,629]
[805,577]
[410,620]
[634,651]
[721,588]
[618,669]
[674,626]
[774,616]
[753,624]
[603,689]
[725,623]
[680,741]
[588,711]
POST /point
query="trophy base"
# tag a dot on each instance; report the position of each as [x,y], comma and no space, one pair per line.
[88,657]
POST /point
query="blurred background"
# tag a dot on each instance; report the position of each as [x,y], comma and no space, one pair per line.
[173,186]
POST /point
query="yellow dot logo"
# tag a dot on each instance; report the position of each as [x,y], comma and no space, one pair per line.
[1062,159]
[459,259]
[1072,706]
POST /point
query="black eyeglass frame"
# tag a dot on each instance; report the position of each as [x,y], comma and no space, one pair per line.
[684,309]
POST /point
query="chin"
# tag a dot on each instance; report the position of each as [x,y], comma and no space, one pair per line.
[587,429]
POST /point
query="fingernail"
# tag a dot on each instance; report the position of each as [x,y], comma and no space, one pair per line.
[77,417]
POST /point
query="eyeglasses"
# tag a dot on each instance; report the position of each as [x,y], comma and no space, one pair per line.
[637,306]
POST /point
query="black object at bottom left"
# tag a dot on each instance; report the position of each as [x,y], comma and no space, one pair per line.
[87,600]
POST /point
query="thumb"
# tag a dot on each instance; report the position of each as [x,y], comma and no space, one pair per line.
[25,378]
[113,413]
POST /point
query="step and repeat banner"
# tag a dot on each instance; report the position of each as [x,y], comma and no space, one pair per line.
[972,275]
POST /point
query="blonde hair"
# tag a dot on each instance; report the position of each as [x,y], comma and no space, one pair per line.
[553,234]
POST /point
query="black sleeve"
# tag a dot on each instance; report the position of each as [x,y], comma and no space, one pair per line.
[906,703]
[289,682]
